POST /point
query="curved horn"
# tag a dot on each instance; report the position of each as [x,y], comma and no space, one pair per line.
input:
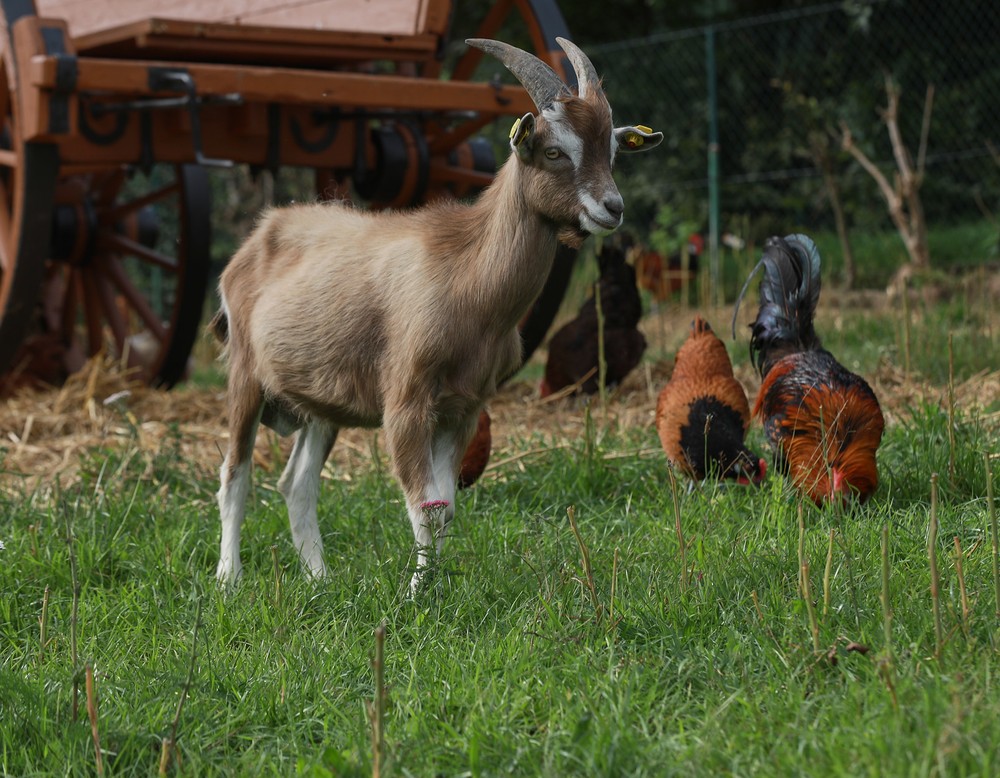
[541,81]
[586,73]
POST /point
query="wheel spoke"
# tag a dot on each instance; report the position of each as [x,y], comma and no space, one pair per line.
[74,291]
[8,158]
[91,311]
[112,314]
[6,232]
[120,211]
[135,299]
[487,29]
[136,249]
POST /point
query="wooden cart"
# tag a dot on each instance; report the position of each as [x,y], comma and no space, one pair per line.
[111,115]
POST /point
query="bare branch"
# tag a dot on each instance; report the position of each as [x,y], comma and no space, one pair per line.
[888,192]
[902,197]
[925,128]
[891,117]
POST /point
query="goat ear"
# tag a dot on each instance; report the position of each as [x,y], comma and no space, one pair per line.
[638,138]
[521,136]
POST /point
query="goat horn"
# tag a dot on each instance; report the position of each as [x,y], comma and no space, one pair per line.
[586,73]
[537,77]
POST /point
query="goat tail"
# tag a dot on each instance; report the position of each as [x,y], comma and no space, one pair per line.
[220,326]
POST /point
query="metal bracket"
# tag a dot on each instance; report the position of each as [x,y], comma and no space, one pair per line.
[175,80]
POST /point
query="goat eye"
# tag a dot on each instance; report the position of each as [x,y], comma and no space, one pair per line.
[553,153]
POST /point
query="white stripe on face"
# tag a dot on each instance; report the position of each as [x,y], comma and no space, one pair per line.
[563,135]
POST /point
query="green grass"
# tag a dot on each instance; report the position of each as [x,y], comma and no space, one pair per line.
[505,663]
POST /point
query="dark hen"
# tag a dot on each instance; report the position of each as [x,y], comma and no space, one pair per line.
[573,350]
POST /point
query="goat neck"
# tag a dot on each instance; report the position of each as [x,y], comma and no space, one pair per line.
[513,248]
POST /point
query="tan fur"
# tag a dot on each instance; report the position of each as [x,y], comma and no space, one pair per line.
[343,317]
[339,317]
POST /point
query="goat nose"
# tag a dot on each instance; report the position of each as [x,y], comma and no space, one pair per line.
[615,206]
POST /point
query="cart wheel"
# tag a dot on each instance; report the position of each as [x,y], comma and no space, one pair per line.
[27,181]
[129,268]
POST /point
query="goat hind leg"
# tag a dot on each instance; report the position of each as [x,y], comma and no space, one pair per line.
[299,485]
[245,401]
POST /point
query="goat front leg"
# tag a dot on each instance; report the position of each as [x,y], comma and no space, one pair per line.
[415,448]
[245,403]
[299,485]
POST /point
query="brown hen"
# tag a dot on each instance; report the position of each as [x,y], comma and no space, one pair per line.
[702,413]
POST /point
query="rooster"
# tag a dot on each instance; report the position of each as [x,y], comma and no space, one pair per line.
[702,413]
[823,421]
[573,350]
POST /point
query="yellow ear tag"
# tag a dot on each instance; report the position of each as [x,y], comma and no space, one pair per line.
[514,128]
[634,140]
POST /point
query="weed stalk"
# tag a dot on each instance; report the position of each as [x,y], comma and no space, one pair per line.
[932,559]
[680,531]
[886,664]
[92,714]
[886,608]
[990,509]
[906,328]
[43,623]
[614,587]
[807,596]
[961,586]
[589,437]
[951,410]
[73,620]
[602,362]
[170,744]
[277,576]
[827,572]
[376,708]
[802,544]
[585,561]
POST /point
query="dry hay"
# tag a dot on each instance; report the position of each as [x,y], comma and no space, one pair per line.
[47,436]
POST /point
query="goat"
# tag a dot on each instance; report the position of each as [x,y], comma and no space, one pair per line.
[338,317]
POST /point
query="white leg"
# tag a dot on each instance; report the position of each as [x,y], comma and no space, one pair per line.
[299,484]
[232,498]
[445,467]
[431,516]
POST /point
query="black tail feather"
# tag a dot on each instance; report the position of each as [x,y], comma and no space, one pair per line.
[789,291]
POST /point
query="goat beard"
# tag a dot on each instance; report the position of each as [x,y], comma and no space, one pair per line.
[572,237]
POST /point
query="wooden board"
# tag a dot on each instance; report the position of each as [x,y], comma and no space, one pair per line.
[399,17]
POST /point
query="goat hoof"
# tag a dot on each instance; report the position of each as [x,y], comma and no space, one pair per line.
[228,574]
[316,570]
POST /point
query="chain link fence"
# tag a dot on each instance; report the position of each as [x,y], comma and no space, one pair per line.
[785,85]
